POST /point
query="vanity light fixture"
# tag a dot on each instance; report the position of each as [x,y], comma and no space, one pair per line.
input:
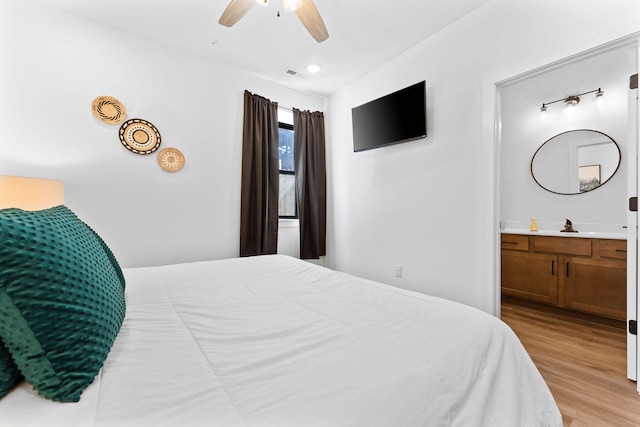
[543,110]
[570,104]
[573,100]
[599,97]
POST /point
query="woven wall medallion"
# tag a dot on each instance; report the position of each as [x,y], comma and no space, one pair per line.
[139,136]
[108,110]
[170,159]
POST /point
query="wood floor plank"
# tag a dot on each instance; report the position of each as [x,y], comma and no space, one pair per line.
[582,361]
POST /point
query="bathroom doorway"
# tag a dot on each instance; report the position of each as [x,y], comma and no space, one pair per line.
[533,109]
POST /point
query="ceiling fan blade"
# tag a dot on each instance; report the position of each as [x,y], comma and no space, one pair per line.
[311,19]
[236,10]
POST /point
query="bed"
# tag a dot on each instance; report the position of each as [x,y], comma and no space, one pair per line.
[276,341]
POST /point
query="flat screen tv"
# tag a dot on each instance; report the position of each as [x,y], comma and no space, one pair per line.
[398,117]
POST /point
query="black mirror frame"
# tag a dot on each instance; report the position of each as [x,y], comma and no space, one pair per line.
[583,192]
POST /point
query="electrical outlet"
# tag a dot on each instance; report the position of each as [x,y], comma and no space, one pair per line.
[398,271]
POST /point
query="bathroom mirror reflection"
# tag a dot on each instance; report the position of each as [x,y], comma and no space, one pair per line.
[575,162]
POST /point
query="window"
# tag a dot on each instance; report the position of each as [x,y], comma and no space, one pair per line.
[287,203]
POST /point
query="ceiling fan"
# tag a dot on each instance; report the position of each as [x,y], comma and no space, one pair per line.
[305,9]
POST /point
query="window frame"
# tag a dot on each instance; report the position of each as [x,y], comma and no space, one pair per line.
[288,126]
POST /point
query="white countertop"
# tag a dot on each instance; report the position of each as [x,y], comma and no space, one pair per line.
[583,234]
[591,231]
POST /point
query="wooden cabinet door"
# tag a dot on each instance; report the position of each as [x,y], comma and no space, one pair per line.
[531,276]
[596,286]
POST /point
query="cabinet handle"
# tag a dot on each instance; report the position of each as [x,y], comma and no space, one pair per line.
[553,264]
[621,250]
[567,269]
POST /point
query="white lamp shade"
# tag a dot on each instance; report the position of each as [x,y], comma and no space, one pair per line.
[30,194]
[291,5]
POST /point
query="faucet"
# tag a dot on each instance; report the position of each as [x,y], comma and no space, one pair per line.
[568,227]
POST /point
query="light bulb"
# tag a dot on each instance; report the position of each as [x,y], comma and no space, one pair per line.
[291,5]
[262,2]
[571,102]
[599,98]
[543,112]
[570,105]
[313,68]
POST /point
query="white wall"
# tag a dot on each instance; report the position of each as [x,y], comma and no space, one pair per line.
[54,65]
[524,130]
[429,205]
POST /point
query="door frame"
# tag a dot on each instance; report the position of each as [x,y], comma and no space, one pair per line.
[490,156]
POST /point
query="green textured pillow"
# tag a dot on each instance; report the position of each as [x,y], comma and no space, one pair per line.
[61,299]
[9,373]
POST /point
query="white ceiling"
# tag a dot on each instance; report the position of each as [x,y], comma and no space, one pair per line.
[363,34]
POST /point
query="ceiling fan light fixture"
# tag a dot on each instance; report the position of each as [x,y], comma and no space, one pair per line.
[307,13]
[291,5]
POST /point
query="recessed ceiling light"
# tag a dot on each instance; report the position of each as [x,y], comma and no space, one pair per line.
[313,68]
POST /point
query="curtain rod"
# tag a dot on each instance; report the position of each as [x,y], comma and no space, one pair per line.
[291,109]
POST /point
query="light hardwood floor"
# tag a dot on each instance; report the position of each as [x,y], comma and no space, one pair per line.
[583,363]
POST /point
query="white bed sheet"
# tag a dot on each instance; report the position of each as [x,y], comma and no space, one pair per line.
[275,341]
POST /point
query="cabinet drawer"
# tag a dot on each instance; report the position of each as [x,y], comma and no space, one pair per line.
[562,245]
[613,249]
[515,242]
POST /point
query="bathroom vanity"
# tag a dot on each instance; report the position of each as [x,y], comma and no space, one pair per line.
[568,270]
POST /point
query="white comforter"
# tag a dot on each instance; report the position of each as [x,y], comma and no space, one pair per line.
[275,341]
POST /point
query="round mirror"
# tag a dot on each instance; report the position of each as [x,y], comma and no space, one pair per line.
[575,162]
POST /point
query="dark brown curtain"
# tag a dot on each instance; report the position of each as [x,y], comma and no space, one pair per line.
[260,177]
[311,182]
